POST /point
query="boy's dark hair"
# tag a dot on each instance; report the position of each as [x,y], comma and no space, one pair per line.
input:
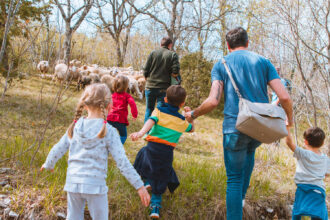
[237,37]
[315,136]
[165,42]
[176,95]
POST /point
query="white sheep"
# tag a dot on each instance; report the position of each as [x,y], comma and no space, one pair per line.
[108,80]
[133,87]
[59,61]
[63,73]
[142,85]
[95,78]
[76,63]
[43,66]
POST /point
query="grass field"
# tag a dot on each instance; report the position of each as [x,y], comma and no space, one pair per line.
[198,160]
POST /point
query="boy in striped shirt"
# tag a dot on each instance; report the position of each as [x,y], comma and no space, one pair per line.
[154,161]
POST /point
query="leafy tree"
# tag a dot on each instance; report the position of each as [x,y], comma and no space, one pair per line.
[28,12]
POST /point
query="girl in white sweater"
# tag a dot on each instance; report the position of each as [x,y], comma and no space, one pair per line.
[89,141]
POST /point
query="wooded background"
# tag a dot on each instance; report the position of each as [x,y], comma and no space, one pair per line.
[294,35]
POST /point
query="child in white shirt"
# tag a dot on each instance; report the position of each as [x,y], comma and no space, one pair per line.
[89,141]
[312,167]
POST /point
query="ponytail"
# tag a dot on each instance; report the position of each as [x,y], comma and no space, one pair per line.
[77,115]
[103,131]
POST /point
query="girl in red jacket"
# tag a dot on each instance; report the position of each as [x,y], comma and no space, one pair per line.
[117,117]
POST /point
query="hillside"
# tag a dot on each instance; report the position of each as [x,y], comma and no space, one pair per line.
[198,161]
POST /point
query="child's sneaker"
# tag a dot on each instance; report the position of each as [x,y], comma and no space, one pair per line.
[147,185]
[154,212]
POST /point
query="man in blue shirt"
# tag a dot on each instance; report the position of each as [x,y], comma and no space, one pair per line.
[252,73]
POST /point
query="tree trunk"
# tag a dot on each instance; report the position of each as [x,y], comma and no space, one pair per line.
[119,54]
[223,36]
[67,43]
[10,16]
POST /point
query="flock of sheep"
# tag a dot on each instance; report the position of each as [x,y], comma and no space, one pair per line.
[87,74]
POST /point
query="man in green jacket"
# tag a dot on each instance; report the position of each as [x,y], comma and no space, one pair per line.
[161,65]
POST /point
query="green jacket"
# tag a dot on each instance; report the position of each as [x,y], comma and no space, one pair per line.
[160,65]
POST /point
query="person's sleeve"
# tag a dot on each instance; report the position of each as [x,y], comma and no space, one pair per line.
[189,127]
[271,73]
[216,73]
[116,149]
[175,64]
[146,69]
[155,116]
[328,166]
[132,104]
[299,152]
[57,152]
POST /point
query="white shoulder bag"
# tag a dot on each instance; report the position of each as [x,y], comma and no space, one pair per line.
[262,121]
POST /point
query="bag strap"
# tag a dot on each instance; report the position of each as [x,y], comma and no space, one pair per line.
[231,78]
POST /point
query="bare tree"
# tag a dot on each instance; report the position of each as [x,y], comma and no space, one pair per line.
[169,14]
[121,20]
[308,38]
[68,17]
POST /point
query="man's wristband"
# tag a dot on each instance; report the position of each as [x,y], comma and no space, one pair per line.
[192,115]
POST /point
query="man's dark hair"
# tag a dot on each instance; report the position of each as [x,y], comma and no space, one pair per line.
[176,95]
[315,136]
[166,41]
[237,37]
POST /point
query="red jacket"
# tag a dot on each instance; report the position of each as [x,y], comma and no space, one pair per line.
[119,111]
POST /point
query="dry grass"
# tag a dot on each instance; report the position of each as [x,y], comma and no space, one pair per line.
[198,161]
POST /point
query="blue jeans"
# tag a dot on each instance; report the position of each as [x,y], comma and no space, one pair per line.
[239,151]
[153,95]
[121,127]
[299,218]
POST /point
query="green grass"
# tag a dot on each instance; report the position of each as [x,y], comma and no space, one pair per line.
[198,160]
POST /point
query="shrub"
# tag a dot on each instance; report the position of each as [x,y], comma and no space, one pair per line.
[196,79]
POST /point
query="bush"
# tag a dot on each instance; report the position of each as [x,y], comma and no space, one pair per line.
[196,79]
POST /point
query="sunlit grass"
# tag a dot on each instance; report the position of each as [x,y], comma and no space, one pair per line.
[198,161]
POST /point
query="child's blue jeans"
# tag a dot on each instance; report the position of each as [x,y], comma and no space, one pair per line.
[156,200]
[121,127]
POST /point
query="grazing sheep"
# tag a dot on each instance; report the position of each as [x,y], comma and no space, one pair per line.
[94,78]
[76,63]
[138,76]
[62,72]
[43,66]
[142,85]
[133,87]
[103,71]
[108,80]
[84,81]
[88,79]
[59,61]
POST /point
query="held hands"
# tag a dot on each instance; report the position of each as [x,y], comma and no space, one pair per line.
[187,114]
[144,196]
[135,136]
[289,123]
